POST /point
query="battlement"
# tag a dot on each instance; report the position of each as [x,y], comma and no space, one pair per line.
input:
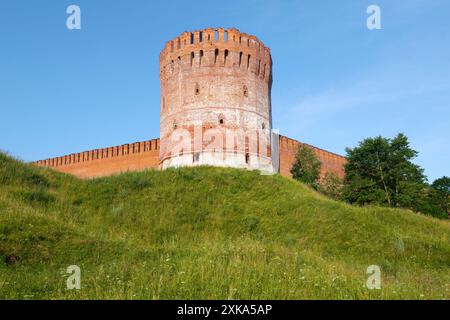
[145,154]
[105,161]
[216,48]
[103,153]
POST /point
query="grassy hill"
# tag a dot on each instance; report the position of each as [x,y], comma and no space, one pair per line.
[207,233]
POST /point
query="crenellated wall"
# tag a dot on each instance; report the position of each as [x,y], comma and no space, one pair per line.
[216,48]
[106,161]
[144,155]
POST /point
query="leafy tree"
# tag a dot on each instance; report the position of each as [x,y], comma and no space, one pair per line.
[420,197]
[306,167]
[379,170]
[442,196]
[363,191]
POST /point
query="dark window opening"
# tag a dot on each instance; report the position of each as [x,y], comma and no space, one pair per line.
[245,91]
[216,54]
[225,57]
[247,157]
[197,89]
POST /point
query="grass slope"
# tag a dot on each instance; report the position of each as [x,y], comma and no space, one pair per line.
[207,233]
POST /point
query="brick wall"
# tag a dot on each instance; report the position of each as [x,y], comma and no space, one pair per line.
[144,155]
[107,161]
[331,162]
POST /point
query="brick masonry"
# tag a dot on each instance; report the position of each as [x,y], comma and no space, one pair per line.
[218,80]
[145,155]
[106,161]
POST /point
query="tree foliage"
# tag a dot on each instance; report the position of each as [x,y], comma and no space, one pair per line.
[306,167]
[380,171]
[442,193]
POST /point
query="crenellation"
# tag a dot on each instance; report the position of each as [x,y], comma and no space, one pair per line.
[200,46]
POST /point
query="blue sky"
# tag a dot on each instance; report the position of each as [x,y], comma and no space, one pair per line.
[335,81]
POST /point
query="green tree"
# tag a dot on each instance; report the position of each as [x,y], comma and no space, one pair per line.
[306,167]
[379,170]
[442,196]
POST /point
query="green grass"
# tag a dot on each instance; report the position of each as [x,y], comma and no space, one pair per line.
[207,233]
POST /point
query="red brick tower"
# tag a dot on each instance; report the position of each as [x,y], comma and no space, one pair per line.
[215,100]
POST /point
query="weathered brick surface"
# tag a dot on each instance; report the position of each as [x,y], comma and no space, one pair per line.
[218,80]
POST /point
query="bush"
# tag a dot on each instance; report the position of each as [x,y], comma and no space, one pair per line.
[306,167]
[331,185]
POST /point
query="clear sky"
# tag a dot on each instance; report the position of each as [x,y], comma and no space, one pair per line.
[335,81]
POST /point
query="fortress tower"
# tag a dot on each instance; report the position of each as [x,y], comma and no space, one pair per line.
[215,101]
